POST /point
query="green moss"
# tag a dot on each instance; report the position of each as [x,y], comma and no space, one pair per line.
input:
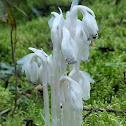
[6,97]
[16,121]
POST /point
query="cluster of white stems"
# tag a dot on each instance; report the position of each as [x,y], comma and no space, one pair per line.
[71,38]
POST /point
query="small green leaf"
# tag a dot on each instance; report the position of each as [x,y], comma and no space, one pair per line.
[3,12]
[112,64]
[26,89]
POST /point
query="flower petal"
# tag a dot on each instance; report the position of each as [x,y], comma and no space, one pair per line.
[73,94]
[26,58]
[69,48]
[31,71]
[85,84]
[34,72]
[90,26]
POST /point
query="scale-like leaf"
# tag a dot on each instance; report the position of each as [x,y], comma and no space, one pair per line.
[3,12]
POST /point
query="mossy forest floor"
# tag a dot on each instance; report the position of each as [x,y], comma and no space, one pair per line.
[109,89]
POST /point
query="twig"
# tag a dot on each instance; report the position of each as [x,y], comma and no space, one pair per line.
[121,20]
[102,110]
[87,114]
[15,70]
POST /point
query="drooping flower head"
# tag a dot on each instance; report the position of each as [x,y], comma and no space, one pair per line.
[68,47]
[72,35]
[31,68]
[84,80]
[73,92]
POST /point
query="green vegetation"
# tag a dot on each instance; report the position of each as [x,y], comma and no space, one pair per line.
[109,88]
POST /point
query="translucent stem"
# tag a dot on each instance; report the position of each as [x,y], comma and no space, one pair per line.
[46,96]
[53,101]
[46,105]
[56,81]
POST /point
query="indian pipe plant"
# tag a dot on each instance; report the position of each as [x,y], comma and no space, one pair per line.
[71,38]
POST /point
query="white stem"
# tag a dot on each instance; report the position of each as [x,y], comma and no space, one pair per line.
[65,107]
[55,87]
[46,105]
[53,101]
[74,3]
[46,96]
[78,118]
[56,80]
[62,64]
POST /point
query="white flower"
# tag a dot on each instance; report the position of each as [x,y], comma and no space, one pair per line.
[90,26]
[84,79]
[68,47]
[73,93]
[29,67]
[81,40]
[85,84]
[82,32]
[88,23]
[56,25]
[74,32]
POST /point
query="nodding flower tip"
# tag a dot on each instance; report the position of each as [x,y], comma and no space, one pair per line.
[74,92]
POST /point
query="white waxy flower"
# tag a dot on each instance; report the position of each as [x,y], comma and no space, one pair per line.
[43,67]
[84,79]
[29,67]
[73,94]
[90,26]
[68,47]
[81,40]
[89,22]
[56,25]
[85,84]
[82,32]
[57,20]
